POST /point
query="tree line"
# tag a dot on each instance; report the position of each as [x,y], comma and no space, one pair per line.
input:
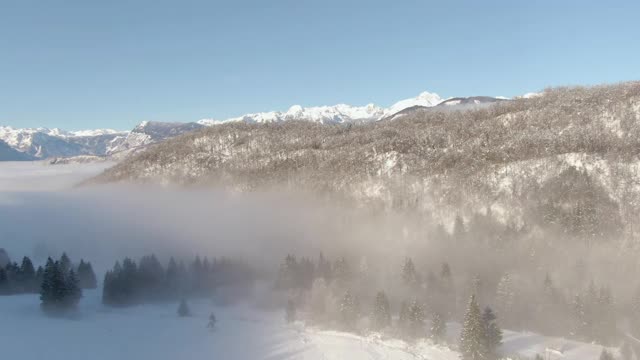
[59,282]
[130,282]
[339,294]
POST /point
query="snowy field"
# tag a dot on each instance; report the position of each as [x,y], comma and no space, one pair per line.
[242,332]
[156,332]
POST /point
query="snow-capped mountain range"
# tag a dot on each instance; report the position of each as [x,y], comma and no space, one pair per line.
[42,143]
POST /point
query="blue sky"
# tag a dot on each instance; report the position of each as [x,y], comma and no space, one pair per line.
[79,64]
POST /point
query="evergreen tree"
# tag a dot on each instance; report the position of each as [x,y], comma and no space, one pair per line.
[625,351]
[86,276]
[324,268]
[605,355]
[472,337]
[438,327]
[459,229]
[72,291]
[183,308]
[65,264]
[409,273]
[505,297]
[416,319]
[58,292]
[403,317]
[212,321]
[4,281]
[342,271]
[492,332]
[290,311]
[381,311]
[28,276]
[349,310]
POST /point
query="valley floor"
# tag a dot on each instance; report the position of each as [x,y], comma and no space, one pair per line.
[156,332]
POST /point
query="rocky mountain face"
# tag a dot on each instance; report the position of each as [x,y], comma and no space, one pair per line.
[513,158]
[7,153]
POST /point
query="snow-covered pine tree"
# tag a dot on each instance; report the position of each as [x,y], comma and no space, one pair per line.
[72,291]
[290,311]
[505,297]
[438,327]
[86,276]
[65,263]
[212,321]
[606,355]
[342,272]
[472,339]
[492,332]
[381,311]
[323,268]
[409,273]
[349,310]
[28,276]
[183,308]
[4,281]
[53,290]
[403,317]
[625,351]
[416,319]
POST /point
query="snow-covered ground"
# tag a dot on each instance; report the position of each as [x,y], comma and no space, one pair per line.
[242,332]
[156,332]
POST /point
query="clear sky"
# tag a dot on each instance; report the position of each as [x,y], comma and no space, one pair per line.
[79,64]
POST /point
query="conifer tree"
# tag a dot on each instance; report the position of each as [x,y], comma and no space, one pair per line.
[492,332]
[4,281]
[606,355]
[349,310]
[72,291]
[416,319]
[342,271]
[65,263]
[403,317]
[290,311]
[86,276]
[212,321]
[505,297]
[409,273]
[625,351]
[28,276]
[324,268]
[472,339]
[438,327]
[183,308]
[381,311]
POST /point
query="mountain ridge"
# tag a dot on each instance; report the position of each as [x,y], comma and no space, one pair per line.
[43,143]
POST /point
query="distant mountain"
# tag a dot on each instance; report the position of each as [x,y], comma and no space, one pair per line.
[336,114]
[41,143]
[451,104]
[7,153]
[322,114]
[44,143]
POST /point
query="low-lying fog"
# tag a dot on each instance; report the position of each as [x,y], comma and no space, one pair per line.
[42,214]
